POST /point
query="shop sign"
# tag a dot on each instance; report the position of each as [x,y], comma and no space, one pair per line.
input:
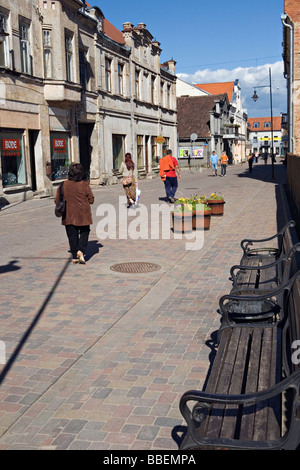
[11,147]
[160,139]
[59,145]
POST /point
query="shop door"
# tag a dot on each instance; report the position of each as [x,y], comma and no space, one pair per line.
[85,148]
[33,135]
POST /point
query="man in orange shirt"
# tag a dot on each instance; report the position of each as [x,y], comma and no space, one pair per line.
[224,161]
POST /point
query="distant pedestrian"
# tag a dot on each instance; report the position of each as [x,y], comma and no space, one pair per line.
[250,162]
[224,162]
[214,163]
[78,196]
[266,158]
[169,170]
[128,170]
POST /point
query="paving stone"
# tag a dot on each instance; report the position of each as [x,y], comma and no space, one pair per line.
[104,357]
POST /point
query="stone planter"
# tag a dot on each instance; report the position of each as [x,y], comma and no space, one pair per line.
[182,222]
[216,205]
[201,219]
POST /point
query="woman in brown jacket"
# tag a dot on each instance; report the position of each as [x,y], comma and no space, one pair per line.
[78,218]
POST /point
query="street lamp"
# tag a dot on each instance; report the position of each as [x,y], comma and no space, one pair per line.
[255,97]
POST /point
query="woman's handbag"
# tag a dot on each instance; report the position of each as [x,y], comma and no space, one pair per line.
[60,208]
[127,180]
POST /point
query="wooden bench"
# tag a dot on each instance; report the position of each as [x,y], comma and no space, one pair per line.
[258,251]
[266,277]
[263,267]
[251,399]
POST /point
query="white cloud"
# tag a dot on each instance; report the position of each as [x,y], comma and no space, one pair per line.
[250,78]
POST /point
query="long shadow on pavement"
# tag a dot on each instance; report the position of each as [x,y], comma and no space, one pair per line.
[29,330]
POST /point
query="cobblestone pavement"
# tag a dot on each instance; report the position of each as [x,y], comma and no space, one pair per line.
[96,359]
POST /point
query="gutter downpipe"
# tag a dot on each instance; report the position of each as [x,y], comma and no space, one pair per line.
[131,101]
[291,107]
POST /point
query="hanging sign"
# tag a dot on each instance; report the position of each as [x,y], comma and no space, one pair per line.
[160,139]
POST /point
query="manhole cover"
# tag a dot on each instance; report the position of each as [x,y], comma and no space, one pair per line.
[135,267]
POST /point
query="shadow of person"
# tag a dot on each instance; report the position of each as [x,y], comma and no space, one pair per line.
[9,267]
[92,249]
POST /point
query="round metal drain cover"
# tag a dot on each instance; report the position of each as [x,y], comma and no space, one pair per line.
[135,267]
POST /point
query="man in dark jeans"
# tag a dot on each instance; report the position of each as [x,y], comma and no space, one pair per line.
[171,182]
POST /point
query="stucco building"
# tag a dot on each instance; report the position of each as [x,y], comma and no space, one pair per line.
[75,88]
[291,49]
[265,138]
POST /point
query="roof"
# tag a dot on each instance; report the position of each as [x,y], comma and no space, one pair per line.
[112,32]
[261,121]
[193,115]
[218,88]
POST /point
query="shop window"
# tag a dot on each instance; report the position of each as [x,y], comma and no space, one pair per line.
[12,159]
[154,156]
[140,151]
[118,150]
[60,158]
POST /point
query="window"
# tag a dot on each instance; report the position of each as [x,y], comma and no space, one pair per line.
[137,84]
[162,93]
[108,74]
[267,124]
[12,158]
[69,57]
[60,159]
[256,124]
[120,78]
[255,140]
[4,46]
[47,53]
[25,48]
[140,151]
[83,68]
[154,157]
[118,150]
[169,96]
[153,89]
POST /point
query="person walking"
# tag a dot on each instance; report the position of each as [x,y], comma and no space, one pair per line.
[78,218]
[169,170]
[224,162]
[250,162]
[129,173]
[214,163]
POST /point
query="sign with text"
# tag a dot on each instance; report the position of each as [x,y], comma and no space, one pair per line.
[11,147]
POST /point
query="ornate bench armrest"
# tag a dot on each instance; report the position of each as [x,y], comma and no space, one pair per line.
[205,400]
[245,243]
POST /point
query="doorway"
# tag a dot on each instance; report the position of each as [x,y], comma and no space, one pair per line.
[33,135]
[85,148]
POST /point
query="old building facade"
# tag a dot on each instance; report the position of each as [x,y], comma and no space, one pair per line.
[291,48]
[75,88]
[265,138]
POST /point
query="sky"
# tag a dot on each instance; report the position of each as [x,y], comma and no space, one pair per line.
[216,41]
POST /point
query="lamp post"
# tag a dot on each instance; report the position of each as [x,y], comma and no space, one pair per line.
[255,97]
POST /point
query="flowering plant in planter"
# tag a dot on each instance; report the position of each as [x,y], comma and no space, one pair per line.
[215,196]
[183,206]
[216,202]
